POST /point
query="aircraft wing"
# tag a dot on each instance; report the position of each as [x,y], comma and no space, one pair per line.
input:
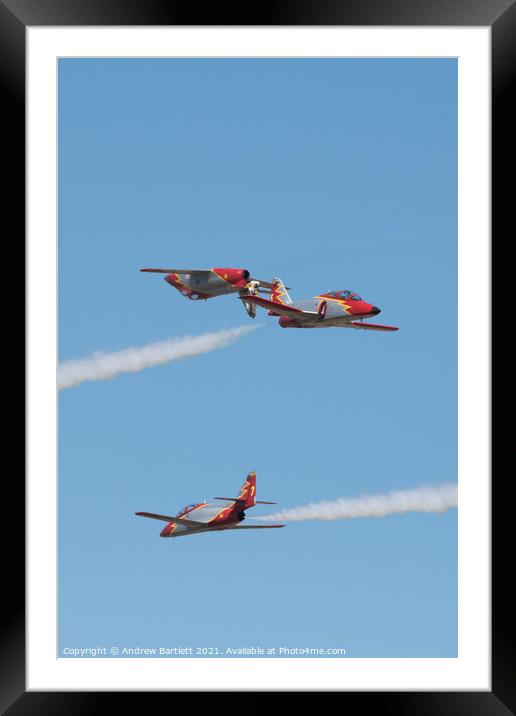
[192,272]
[255,527]
[175,520]
[369,326]
[282,309]
[200,272]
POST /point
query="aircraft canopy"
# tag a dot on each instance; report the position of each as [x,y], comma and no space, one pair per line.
[350,295]
[186,509]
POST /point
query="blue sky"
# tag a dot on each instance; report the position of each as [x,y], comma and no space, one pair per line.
[330,174]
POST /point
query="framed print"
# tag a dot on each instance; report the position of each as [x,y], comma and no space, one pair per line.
[342,155]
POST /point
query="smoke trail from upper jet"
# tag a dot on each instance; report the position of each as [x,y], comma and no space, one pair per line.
[438,498]
[102,366]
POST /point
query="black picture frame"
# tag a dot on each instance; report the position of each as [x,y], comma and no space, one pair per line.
[500,16]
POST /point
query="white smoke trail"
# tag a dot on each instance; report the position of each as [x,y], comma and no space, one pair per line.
[438,498]
[102,366]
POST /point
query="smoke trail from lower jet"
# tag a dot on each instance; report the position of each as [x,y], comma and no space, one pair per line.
[437,498]
[103,366]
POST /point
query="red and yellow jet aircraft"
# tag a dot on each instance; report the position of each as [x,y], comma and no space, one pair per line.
[198,284]
[213,516]
[344,309]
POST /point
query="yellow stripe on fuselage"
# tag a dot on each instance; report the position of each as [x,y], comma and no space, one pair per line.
[340,301]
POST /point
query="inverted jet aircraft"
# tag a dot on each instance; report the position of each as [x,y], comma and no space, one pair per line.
[213,516]
[343,309]
[198,284]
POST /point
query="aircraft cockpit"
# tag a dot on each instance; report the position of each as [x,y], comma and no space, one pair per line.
[347,295]
[186,509]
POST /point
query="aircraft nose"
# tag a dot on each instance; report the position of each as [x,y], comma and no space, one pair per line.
[375,310]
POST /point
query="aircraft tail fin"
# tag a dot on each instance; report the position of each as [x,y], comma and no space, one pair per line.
[248,491]
[247,494]
[279,294]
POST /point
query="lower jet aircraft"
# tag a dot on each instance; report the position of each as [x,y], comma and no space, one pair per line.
[198,284]
[213,516]
[343,309]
